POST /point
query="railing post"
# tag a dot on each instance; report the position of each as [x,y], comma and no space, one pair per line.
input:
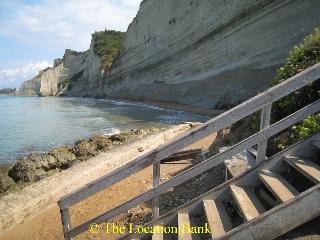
[264,123]
[66,224]
[156,182]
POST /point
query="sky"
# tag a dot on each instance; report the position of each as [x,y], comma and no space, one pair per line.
[35,32]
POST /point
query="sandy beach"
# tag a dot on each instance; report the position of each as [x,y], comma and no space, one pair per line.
[33,213]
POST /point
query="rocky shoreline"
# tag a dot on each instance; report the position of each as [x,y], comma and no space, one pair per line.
[36,167]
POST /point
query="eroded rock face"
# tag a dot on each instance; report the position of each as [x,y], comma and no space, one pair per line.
[66,74]
[212,54]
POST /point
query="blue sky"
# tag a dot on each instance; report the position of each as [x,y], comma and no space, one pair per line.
[35,32]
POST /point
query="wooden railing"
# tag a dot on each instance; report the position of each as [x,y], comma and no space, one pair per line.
[262,101]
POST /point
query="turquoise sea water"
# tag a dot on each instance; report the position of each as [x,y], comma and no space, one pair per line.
[32,124]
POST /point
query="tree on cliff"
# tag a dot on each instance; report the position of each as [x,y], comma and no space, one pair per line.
[107,45]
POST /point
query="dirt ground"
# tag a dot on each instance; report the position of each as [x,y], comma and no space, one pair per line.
[47,225]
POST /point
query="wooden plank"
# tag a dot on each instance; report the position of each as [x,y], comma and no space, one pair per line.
[280,219]
[309,169]
[225,119]
[189,154]
[316,143]
[158,235]
[156,182]
[279,187]
[203,166]
[183,224]
[264,123]
[66,224]
[247,202]
[218,219]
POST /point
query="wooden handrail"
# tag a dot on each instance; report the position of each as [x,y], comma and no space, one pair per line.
[250,106]
[203,166]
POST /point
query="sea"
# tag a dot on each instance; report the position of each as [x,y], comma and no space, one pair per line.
[34,124]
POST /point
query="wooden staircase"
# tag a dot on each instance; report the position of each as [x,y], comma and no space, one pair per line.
[255,211]
[264,200]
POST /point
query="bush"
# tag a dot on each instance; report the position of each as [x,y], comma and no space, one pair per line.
[107,45]
[300,58]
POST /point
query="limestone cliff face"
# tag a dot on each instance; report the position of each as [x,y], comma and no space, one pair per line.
[207,53]
[73,75]
[211,54]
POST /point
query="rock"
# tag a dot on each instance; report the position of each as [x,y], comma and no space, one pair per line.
[62,156]
[121,137]
[85,150]
[103,143]
[40,174]
[23,170]
[6,183]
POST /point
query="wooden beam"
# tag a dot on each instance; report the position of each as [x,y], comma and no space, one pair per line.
[203,166]
[156,182]
[66,224]
[225,119]
[264,123]
[189,154]
[280,219]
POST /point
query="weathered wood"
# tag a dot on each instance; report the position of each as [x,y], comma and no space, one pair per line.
[218,192]
[183,222]
[280,219]
[264,123]
[247,202]
[316,143]
[66,224]
[218,219]
[225,119]
[158,235]
[309,169]
[203,166]
[189,154]
[279,187]
[156,182]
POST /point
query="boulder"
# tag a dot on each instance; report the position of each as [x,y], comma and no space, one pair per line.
[23,170]
[6,183]
[85,150]
[102,142]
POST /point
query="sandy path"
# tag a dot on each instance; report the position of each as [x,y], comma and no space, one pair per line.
[45,223]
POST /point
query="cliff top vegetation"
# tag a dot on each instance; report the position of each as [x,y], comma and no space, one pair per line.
[300,58]
[107,45]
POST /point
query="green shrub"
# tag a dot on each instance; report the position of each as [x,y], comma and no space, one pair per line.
[107,45]
[300,58]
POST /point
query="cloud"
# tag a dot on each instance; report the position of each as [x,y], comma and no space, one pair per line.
[14,77]
[32,30]
[66,24]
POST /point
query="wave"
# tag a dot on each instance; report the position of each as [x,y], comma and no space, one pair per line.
[110,131]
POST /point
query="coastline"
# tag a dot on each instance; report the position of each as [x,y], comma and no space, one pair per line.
[176,114]
[37,166]
[174,106]
[23,205]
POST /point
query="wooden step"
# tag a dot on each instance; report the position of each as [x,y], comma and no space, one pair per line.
[316,143]
[158,235]
[306,167]
[279,187]
[247,202]
[183,223]
[217,217]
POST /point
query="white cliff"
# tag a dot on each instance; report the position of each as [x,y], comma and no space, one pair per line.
[206,53]
[211,54]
